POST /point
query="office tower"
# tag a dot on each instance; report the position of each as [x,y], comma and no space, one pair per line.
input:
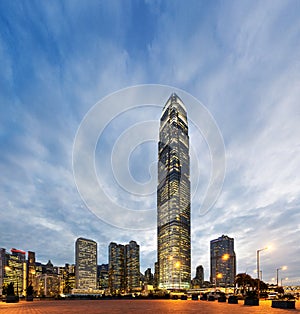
[222,261]
[67,277]
[2,268]
[149,278]
[31,273]
[116,267]
[156,275]
[173,197]
[199,278]
[132,266]
[14,270]
[124,267]
[86,264]
[103,276]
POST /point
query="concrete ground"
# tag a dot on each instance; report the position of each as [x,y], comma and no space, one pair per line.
[138,306]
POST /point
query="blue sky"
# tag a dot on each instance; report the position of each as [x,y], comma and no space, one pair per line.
[240,59]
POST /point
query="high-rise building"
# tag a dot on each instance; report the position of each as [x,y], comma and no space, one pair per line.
[31,272]
[2,268]
[103,276]
[149,278]
[13,270]
[116,267]
[173,197]
[124,267]
[132,266]
[86,264]
[67,275]
[198,280]
[222,261]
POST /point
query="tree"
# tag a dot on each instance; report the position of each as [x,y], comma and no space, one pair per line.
[243,280]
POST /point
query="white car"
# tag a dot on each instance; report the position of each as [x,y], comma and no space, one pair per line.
[272,296]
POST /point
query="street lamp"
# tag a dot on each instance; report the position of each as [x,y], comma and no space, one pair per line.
[277,271]
[257,264]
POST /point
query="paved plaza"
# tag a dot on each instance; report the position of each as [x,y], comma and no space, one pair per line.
[137,306]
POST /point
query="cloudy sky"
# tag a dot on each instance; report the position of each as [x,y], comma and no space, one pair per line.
[61,62]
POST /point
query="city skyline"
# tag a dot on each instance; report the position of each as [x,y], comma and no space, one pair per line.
[245,72]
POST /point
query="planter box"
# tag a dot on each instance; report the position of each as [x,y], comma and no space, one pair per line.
[252,302]
[195,297]
[221,299]
[233,299]
[211,298]
[12,299]
[29,298]
[281,304]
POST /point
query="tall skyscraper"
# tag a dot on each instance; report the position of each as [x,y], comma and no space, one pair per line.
[173,198]
[86,264]
[116,267]
[132,266]
[124,267]
[222,261]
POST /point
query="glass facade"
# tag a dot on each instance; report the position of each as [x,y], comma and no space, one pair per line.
[13,270]
[222,261]
[124,267]
[132,268]
[116,270]
[86,264]
[173,198]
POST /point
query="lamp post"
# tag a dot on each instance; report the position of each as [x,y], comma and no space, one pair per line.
[277,271]
[257,264]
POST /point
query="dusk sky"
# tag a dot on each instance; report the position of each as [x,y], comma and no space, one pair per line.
[61,60]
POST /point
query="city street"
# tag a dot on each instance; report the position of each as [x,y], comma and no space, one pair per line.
[138,306]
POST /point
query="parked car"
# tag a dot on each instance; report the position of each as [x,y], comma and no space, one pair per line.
[272,296]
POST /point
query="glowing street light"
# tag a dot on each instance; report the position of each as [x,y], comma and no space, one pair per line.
[257,264]
[277,271]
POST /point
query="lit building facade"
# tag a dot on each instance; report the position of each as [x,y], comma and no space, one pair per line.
[116,267]
[222,261]
[197,282]
[86,264]
[67,274]
[13,270]
[124,267]
[132,266]
[173,198]
[2,269]
[31,271]
[103,276]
